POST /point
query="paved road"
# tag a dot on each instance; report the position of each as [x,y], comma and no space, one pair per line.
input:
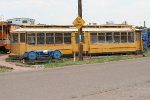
[123,80]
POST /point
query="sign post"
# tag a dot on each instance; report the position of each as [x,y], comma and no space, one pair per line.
[79,22]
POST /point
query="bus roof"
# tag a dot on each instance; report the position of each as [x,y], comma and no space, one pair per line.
[71,29]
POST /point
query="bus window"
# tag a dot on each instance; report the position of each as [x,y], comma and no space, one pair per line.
[49,38]
[109,37]
[58,38]
[31,39]
[123,37]
[0,29]
[93,37]
[130,37]
[22,37]
[24,21]
[101,37]
[116,37]
[82,37]
[67,38]
[40,38]
[15,38]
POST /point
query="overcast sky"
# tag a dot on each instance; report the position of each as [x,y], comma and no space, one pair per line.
[65,11]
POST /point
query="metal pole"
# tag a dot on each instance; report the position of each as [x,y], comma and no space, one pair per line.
[80,35]
[125,22]
[144,24]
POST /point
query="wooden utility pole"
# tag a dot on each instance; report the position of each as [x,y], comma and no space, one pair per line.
[80,35]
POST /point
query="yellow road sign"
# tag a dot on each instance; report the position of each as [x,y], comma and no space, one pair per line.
[78,22]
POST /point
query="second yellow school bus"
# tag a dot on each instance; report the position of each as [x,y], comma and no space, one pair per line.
[97,39]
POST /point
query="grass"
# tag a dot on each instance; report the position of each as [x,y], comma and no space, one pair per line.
[1,52]
[147,52]
[68,62]
[12,59]
[5,69]
[102,59]
[148,81]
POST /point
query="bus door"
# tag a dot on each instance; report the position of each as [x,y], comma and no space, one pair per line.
[18,43]
[139,43]
[15,43]
[22,43]
[75,41]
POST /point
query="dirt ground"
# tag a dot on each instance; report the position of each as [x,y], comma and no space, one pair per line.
[13,65]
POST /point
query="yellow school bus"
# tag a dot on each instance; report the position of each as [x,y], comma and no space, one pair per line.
[97,39]
[4,36]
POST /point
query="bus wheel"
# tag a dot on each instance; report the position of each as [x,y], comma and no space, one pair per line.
[32,55]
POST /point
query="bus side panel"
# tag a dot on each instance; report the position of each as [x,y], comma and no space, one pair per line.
[15,48]
[65,49]
[105,48]
[22,48]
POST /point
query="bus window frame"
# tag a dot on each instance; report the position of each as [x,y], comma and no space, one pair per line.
[39,38]
[132,37]
[96,35]
[119,40]
[107,42]
[12,37]
[31,36]
[124,36]
[101,34]
[53,37]
[62,42]
[70,36]
[24,37]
